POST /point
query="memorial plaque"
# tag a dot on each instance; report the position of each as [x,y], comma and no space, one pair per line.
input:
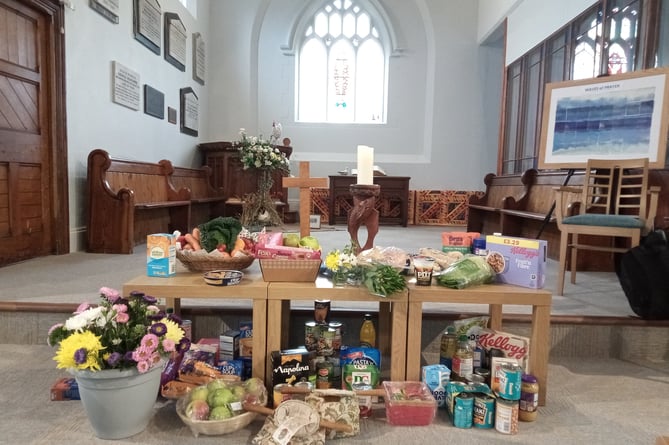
[146,22]
[126,86]
[175,41]
[199,66]
[107,8]
[154,102]
[189,111]
[171,115]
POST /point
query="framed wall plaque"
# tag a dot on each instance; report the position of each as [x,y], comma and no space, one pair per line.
[189,111]
[199,66]
[154,102]
[107,8]
[175,41]
[146,23]
[125,86]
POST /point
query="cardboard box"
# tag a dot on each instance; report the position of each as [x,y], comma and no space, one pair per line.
[161,255]
[231,367]
[229,345]
[519,261]
[246,338]
[458,241]
[214,343]
[291,366]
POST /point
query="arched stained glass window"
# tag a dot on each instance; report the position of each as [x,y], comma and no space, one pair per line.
[341,66]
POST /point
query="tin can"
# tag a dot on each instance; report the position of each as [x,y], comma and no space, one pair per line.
[483,372]
[322,311]
[484,411]
[336,341]
[304,385]
[324,375]
[311,335]
[475,379]
[463,410]
[506,416]
[509,376]
[187,326]
[325,341]
[478,247]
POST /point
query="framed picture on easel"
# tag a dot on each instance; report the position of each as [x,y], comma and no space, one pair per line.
[619,117]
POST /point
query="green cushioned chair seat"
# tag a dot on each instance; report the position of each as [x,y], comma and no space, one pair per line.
[598,219]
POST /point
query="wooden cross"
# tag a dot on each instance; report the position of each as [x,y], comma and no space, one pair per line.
[304,183]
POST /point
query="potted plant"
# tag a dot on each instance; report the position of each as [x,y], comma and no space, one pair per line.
[116,352]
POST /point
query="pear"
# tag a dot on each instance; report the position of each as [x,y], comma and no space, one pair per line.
[291,239]
[310,242]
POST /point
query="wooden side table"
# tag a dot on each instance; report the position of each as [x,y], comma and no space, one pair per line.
[192,285]
[391,332]
[495,296]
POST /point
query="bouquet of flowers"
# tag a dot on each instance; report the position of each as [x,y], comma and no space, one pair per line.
[119,333]
[379,278]
[261,154]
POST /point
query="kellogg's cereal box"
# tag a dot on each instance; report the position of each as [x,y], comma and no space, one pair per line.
[519,261]
[161,255]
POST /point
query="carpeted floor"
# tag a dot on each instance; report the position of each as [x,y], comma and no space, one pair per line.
[589,402]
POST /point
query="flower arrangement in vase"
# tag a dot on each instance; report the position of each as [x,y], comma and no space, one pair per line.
[264,156]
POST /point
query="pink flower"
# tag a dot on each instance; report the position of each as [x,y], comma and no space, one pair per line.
[150,342]
[141,354]
[82,307]
[155,358]
[143,366]
[120,307]
[168,345]
[110,294]
[122,317]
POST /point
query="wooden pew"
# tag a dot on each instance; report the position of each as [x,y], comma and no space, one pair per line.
[206,202]
[128,200]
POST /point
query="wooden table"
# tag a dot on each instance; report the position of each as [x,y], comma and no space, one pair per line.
[391,332]
[495,296]
[192,285]
[393,188]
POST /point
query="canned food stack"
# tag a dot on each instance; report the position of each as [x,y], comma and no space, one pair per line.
[324,337]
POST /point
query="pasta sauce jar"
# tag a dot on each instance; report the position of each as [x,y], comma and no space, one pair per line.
[529,398]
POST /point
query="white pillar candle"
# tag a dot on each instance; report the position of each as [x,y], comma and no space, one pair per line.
[365,165]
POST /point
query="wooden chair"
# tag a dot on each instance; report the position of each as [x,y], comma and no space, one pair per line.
[614,201]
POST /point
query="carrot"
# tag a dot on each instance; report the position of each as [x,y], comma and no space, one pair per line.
[190,239]
[196,233]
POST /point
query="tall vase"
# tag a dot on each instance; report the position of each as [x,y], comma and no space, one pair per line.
[118,403]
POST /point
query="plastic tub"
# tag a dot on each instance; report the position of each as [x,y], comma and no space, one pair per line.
[409,403]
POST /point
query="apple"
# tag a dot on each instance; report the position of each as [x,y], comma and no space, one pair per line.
[310,242]
[199,393]
[291,239]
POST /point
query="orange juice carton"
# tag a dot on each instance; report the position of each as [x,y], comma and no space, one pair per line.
[458,241]
[519,261]
[161,255]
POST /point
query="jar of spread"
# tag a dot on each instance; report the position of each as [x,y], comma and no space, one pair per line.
[529,398]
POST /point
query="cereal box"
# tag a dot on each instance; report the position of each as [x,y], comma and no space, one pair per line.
[519,261]
[161,255]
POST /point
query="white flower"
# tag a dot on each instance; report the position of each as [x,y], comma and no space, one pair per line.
[83,319]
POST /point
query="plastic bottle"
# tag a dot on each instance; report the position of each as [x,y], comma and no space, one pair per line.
[529,398]
[368,332]
[449,343]
[463,359]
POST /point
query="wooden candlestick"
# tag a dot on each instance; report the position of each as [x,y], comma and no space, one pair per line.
[363,213]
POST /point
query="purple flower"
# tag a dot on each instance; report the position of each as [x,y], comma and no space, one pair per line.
[80,356]
[149,299]
[136,294]
[184,345]
[158,329]
[175,318]
[127,357]
[114,358]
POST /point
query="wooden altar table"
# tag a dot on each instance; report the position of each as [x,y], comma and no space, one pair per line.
[495,296]
[192,285]
[391,331]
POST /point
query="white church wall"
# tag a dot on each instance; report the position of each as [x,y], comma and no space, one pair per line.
[436,124]
[95,121]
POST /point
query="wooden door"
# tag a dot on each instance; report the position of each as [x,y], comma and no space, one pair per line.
[33,165]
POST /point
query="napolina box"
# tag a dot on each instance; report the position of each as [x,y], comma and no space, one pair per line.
[519,261]
[161,255]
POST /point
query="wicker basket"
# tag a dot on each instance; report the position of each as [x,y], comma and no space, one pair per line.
[213,427]
[290,270]
[197,263]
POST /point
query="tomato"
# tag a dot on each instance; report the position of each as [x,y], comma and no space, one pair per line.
[222,247]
